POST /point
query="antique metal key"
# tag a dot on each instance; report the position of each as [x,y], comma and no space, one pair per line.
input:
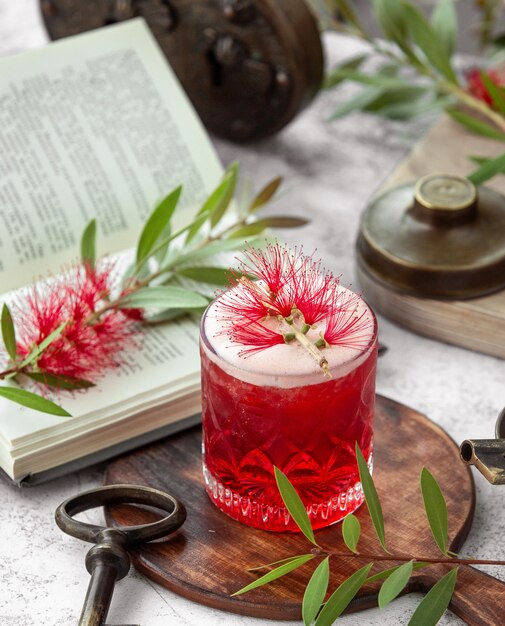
[108,560]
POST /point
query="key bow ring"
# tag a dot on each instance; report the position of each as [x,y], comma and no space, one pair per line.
[108,560]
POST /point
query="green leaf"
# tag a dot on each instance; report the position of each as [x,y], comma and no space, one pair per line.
[436,509]
[88,244]
[346,11]
[351,529]
[407,110]
[342,596]
[230,177]
[276,221]
[384,80]
[216,204]
[497,93]
[165,316]
[387,572]
[163,297]
[335,77]
[429,42]
[357,103]
[32,401]
[444,22]
[276,573]
[391,98]
[209,250]
[58,381]
[8,332]
[315,592]
[391,17]
[250,230]
[37,350]
[488,169]
[478,160]
[435,602]
[52,337]
[193,230]
[294,505]
[199,253]
[475,125]
[208,275]
[371,497]
[270,565]
[265,195]
[157,223]
[395,583]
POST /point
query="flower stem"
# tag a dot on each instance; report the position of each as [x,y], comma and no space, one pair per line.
[405,558]
[5,373]
[314,352]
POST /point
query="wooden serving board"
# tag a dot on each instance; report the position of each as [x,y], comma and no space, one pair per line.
[208,559]
[477,324]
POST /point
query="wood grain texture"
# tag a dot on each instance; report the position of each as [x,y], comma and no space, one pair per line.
[208,559]
[477,324]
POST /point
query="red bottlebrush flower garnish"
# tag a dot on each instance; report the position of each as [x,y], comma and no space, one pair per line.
[345,325]
[312,292]
[274,266]
[90,340]
[255,336]
[477,87]
[292,294]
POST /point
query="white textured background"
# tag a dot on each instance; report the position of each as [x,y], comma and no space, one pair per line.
[330,171]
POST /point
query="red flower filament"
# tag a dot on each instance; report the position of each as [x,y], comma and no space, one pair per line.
[283,295]
[88,342]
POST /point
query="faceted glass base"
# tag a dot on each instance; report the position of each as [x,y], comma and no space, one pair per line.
[276,518]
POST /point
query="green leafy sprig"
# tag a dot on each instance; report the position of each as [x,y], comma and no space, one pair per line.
[174,273]
[317,611]
[414,47]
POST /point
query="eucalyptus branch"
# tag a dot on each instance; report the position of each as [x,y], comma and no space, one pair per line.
[314,609]
[89,305]
[425,46]
[405,558]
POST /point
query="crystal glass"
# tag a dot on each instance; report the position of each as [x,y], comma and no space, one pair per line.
[255,418]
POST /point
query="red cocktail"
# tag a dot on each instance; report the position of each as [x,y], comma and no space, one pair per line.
[275,408]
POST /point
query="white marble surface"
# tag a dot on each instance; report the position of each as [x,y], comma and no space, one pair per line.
[330,171]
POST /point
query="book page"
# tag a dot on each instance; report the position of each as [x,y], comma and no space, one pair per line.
[163,359]
[95,125]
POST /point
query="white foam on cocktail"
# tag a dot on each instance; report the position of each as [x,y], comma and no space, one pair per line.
[286,365]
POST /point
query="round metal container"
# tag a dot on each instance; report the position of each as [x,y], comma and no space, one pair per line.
[439,237]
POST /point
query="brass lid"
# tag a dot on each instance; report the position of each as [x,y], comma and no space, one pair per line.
[437,237]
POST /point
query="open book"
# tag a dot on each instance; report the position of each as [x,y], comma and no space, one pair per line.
[97,126]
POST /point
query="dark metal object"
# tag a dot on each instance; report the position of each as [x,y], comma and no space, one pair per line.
[382,349]
[436,238]
[248,66]
[488,455]
[108,560]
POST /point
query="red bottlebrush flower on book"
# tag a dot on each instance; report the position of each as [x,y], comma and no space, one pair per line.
[88,342]
[477,87]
